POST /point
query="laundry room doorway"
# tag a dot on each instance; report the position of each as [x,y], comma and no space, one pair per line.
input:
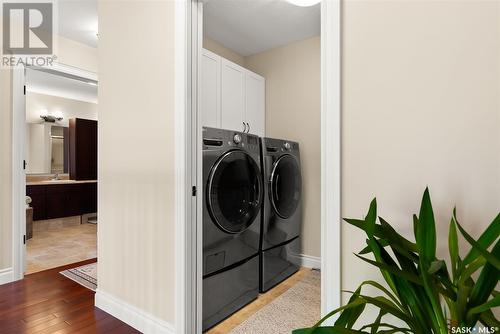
[262,149]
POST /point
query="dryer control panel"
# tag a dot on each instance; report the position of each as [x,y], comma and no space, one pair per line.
[279,146]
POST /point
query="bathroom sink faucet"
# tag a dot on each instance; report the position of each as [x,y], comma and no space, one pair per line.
[56,176]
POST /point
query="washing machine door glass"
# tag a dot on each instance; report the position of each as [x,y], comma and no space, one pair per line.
[234,191]
[285,186]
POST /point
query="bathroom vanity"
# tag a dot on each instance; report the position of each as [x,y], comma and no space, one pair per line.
[62,198]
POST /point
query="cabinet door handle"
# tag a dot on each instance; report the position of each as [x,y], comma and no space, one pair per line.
[248,129]
[244,127]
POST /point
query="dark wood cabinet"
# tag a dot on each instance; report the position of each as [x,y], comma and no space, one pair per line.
[62,200]
[82,149]
[37,194]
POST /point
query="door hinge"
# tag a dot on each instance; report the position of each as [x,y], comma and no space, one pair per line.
[24,239]
[193,191]
[24,90]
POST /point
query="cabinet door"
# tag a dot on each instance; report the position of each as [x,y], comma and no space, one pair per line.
[232,96]
[83,149]
[75,198]
[88,193]
[57,201]
[210,89]
[37,194]
[255,103]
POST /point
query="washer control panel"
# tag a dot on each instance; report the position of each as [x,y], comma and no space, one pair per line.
[216,139]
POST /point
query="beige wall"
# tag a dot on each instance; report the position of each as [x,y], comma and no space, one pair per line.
[221,50]
[293,111]
[421,106]
[136,154]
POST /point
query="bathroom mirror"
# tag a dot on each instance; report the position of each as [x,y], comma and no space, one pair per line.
[47,147]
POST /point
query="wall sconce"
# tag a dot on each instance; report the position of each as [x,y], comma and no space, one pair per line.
[58,116]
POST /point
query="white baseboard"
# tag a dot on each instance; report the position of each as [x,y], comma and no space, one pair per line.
[6,275]
[307,261]
[131,315]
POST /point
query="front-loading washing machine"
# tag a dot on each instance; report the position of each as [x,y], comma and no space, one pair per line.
[282,211]
[233,195]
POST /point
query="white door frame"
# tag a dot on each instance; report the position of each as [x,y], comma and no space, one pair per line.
[331,136]
[188,159]
[18,157]
[188,44]
[18,173]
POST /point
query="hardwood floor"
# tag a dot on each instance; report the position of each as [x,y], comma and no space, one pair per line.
[47,302]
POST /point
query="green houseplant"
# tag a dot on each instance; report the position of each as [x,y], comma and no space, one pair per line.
[420,291]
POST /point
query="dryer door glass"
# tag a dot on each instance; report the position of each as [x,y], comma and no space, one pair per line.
[234,191]
[286,184]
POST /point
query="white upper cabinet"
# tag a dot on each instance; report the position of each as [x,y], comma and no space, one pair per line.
[255,103]
[210,92]
[232,97]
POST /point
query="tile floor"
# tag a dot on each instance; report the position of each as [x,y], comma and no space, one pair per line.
[58,247]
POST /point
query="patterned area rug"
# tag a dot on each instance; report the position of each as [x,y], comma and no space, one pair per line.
[297,307]
[84,275]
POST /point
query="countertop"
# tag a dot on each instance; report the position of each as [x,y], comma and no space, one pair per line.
[50,182]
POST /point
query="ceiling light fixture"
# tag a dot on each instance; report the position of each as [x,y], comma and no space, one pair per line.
[304,3]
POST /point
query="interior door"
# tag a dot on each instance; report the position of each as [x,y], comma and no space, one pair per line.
[210,89]
[232,96]
[255,103]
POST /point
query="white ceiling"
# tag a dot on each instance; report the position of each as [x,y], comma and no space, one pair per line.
[244,26]
[77,20]
[252,26]
[57,85]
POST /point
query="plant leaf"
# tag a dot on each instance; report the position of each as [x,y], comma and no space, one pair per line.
[371,218]
[493,260]
[471,269]
[485,285]
[453,247]
[393,270]
[484,307]
[489,320]
[485,240]
[349,316]
[352,304]
[436,266]
[380,232]
[426,231]
[415,227]
[427,254]
[383,289]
